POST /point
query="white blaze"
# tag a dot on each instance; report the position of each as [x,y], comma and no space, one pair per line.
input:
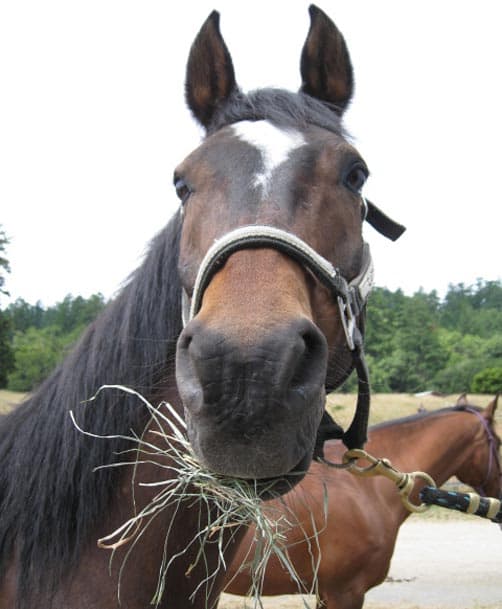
[273,143]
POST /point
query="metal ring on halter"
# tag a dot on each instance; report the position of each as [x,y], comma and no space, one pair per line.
[348,321]
[365,208]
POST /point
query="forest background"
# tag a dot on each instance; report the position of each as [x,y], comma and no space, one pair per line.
[413,343]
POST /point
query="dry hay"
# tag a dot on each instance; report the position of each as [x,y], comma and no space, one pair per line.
[225,503]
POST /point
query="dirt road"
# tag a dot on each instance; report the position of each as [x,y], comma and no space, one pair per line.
[453,564]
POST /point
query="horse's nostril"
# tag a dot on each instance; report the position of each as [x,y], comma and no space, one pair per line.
[184,340]
[311,365]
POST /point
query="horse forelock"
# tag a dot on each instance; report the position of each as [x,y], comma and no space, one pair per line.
[50,497]
[280,107]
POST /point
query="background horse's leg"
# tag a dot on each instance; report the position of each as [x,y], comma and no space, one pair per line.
[334,599]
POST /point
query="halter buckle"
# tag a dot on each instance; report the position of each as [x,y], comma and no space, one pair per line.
[348,321]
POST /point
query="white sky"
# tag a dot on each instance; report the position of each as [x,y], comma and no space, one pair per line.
[93,121]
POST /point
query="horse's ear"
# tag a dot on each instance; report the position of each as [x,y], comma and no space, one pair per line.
[489,411]
[210,78]
[325,63]
[462,400]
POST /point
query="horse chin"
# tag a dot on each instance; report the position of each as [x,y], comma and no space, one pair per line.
[266,487]
[274,458]
[270,488]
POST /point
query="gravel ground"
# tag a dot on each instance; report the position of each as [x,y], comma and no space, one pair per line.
[453,564]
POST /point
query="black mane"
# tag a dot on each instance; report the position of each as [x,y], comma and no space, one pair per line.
[50,498]
[282,108]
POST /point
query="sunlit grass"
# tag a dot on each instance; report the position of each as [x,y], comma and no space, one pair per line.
[387,406]
[9,399]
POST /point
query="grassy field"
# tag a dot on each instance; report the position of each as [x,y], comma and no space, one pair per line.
[384,406]
[8,399]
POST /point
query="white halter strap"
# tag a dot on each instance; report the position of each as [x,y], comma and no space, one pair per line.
[351,296]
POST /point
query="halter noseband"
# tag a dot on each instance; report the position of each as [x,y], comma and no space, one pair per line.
[351,298]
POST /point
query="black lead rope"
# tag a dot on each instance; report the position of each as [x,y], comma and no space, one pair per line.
[356,434]
[470,503]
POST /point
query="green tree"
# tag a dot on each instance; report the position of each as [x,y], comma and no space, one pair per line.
[24,315]
[37,352]
[488,380]
[417,353]
[456,310]
[421,342]
[464,353]
[473,309]
[7,362]
[67,315]
[6,353]
[384,319]
[487,295]
[41,337]
[4,263]
[74,312]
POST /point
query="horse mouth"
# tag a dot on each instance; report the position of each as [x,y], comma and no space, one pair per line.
[270,488]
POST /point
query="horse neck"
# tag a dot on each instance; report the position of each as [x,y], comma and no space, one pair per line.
[436,443]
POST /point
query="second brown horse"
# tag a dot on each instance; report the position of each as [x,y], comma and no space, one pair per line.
[357,533]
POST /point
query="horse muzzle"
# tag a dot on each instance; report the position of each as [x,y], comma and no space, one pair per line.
[253,407]
[251,369]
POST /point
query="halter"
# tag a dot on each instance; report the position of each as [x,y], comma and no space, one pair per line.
[494,455]
[476,503]
[350,296]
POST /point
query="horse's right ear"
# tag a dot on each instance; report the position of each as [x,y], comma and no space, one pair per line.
[325,65]
[210,77]
[491,408]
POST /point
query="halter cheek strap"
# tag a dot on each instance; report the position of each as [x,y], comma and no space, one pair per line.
[350,296]
[493,454]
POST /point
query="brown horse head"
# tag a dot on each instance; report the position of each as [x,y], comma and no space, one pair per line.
[254,361]
[483,470]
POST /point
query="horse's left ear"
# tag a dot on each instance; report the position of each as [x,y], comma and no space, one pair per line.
[325,63]
[489,411]
[462,400]
[210,78]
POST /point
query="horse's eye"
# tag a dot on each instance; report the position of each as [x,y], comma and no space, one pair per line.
[356,177]
[182,189]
